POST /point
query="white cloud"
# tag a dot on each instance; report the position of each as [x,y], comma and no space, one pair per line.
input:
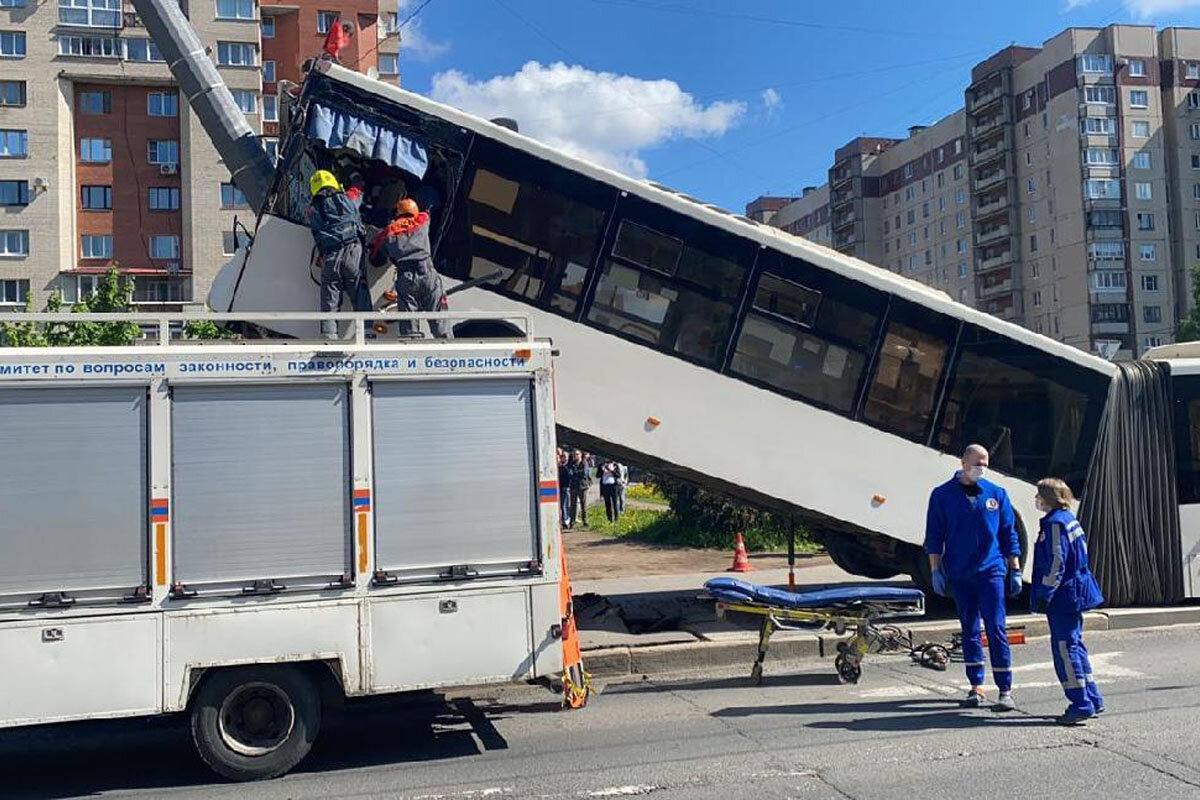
[771,101]
[601,116]
[414,42]
[1145,9]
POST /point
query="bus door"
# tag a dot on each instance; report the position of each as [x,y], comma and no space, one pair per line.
[1186,391]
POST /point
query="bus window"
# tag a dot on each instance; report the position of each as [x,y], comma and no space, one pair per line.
[1186,391]
[1036,414]
[536,223]
[908,370]
[672,282]
[808,333]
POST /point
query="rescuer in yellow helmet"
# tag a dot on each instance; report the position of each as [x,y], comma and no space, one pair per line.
[339,235]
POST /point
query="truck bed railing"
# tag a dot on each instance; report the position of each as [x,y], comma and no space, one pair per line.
[168,329]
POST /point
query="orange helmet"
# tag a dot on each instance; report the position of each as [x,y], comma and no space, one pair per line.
[407,207]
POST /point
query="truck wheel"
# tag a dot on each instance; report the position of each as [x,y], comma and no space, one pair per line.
[254,723]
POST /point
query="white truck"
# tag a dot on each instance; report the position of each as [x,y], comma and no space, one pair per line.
[238,530]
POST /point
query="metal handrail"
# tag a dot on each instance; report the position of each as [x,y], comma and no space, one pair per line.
[360,319]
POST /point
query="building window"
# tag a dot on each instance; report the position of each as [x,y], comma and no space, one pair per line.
[1149,283]
[1095,64]
[1109,312]
[912,239]
[142,50]
[162,151]
[14,292]
[960,220]
[941,204]
[90,46]
[95,151]
[96,198]
[270,108]
[268,27]
[1106,251]
[1037,298]
[1099,126]
[245,100]
[14,144]
[1030,186]
[1099,95]
[162,104]
[12,93]
[14,193]
[962,295]
[1100,157]
[1193,130]
[93,246]
[928,257]
[1033,243]
[911,217]
[269,71]
[1137,68]
[14,244]
[1141,160]
[389,64]
[235,9]
[326,20]
[232,240]
[271,145]
[164,247]
[1145,222]
[90,13]
[1193,100]
[1033,212]
[95,102]
[1142,191]
[962,269]
[1152,314]
[1025,130]
[1147,252]
[1193,70]
[1108,281]
[925,210]
[1098,189]
[958,172]
[12,44]
[153,289]
[1153,341]
[1141,129]
[960,245]
[164,198]
[1139,98]
[232,197]
[960,197]
[908,193]
[237,54]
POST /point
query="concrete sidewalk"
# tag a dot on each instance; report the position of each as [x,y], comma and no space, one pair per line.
[678,631]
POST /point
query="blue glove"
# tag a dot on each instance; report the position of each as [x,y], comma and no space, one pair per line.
[1014,583]
[939,582]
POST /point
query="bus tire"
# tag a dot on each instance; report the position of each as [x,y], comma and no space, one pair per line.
[848,559]
[254,723]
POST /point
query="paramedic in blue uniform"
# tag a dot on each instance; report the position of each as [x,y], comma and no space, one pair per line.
[974,557]
[1063,588]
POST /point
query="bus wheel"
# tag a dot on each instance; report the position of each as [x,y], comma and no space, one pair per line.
[253,723]
[854,561]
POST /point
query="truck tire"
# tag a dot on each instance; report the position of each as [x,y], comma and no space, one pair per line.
[254,723]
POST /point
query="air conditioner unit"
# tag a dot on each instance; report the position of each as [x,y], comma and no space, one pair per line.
[168,169]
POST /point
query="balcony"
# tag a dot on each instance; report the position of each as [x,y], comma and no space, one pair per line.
[990,153]
[986,292]
[838,177]
[847,240]
[993,205]
[979,102]
[1103,204]
[990,179]
[839,199]
[1104,234]
[1110,327]
[991,235]
[985,126]
[990,263]
[845,220]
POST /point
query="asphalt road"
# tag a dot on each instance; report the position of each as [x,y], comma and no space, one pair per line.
[897,734]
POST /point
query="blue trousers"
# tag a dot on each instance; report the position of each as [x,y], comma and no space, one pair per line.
[984,595]
[1072,664]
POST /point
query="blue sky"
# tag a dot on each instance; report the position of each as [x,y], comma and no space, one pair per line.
[726,101]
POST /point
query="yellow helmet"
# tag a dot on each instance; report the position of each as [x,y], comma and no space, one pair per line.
[323,179]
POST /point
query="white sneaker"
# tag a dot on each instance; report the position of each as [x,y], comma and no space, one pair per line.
[974,700]
[1005,702]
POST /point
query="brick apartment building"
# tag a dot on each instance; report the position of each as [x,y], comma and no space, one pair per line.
[1064,195]
[101,160]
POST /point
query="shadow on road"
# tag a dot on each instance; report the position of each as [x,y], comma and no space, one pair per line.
[71,759]
[891,716]
[657,686]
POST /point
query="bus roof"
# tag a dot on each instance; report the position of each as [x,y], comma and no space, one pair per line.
[766,236]
[1179,350]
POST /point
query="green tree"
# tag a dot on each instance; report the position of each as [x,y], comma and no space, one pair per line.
[1189,329]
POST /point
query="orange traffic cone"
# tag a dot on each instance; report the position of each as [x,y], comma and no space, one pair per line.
[741,562]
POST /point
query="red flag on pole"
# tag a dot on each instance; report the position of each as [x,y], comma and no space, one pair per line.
[337,38]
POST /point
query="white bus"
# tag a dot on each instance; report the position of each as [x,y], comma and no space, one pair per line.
[695,341]
[247,530]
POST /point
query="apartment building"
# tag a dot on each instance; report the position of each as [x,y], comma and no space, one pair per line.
[806,216]
[102,162]
[1064,196]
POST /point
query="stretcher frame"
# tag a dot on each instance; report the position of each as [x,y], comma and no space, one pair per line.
[862,619]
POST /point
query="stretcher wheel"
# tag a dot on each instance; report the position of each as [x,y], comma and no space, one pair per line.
[848,669]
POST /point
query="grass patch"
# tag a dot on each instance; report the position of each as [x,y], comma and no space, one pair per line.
[646,493]
[663,527]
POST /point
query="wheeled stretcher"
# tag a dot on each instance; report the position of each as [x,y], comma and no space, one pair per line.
[854,608]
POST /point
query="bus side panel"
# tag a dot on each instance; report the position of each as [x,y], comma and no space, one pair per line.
[1189,528]
[225,637]
[55,670]
[468,636]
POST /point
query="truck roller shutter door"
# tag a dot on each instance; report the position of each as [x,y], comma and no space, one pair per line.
[454,474]
[73,479]
[260,481]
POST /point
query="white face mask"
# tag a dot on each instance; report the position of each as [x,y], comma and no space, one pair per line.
[976,473]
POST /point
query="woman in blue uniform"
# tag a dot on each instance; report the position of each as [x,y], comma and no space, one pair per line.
[1063,588]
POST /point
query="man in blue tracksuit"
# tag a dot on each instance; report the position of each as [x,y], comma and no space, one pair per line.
[974,557]
[1063,588]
